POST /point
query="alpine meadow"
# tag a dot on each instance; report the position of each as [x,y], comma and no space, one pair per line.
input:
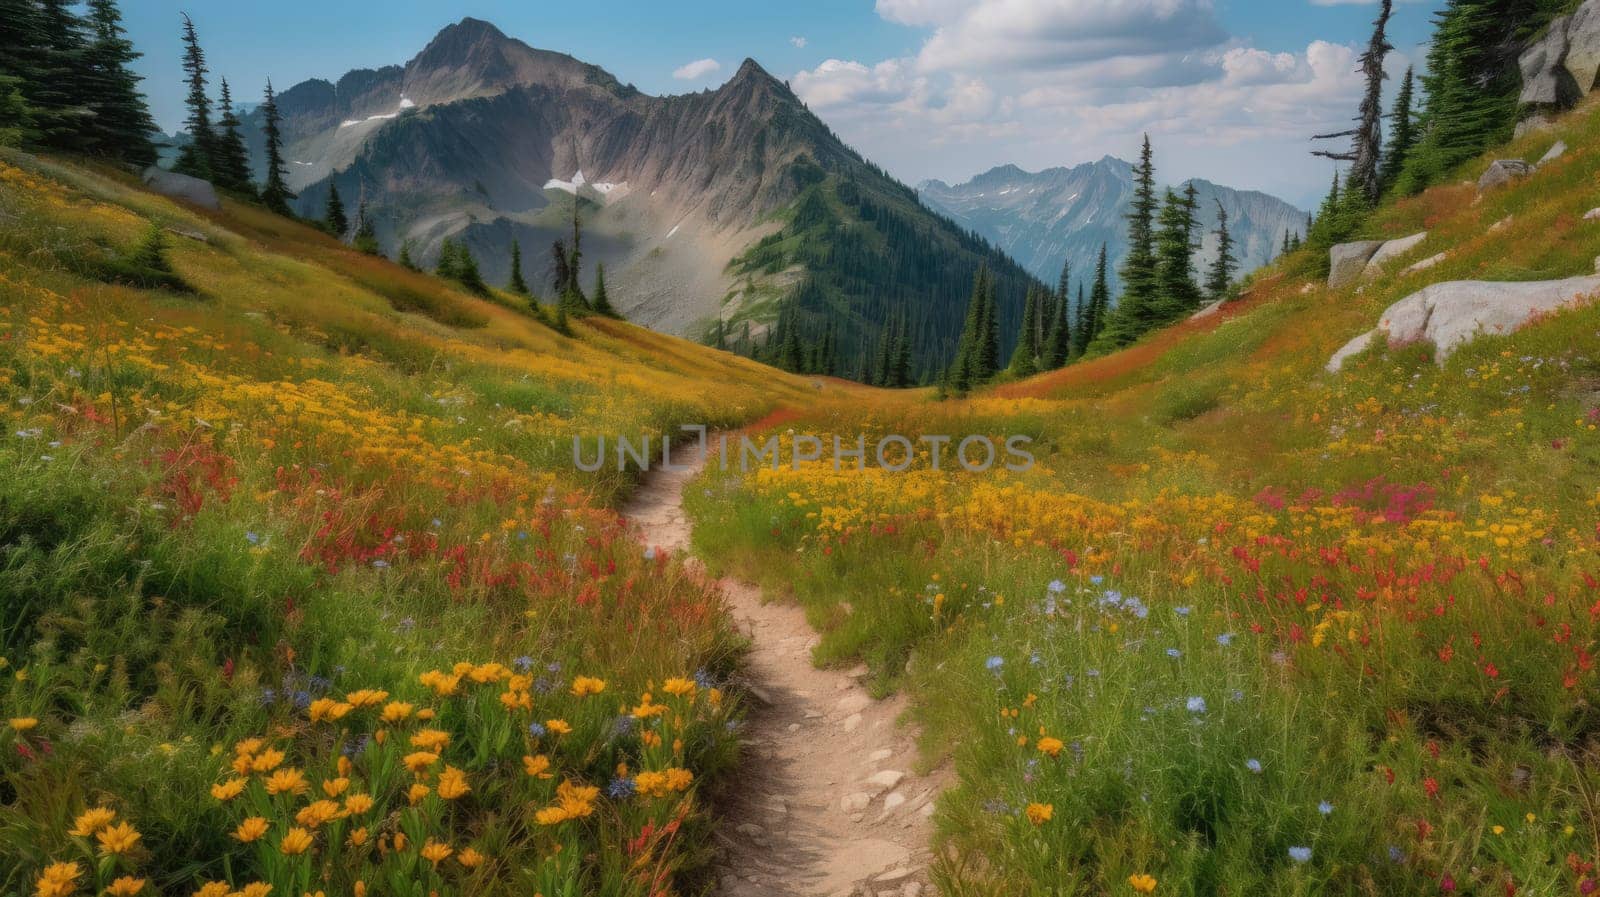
[523,455]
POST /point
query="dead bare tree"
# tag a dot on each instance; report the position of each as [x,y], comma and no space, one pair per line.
[1368,144]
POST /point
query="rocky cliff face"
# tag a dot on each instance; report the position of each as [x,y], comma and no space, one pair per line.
[1561,67]
[1064,215]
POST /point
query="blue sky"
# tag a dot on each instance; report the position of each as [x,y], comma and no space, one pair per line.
[928,88]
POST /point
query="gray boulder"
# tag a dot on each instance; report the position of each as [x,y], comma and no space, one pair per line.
[1208,310]
[1502,172]
[181,186]
[1426,263]
[1351,349]
[1532,124]
[1582,61]
[1448,315]
[1554,153]
[1545,80]
[1392,250]
[1347,261]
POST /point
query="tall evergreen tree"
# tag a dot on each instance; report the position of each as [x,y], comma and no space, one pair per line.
[230,161]
[275,195]
[334,218]
[405,260]
[900,354]
[602,300]
[1057,345]
[195,158]
[1220,277]
[23,68]
[1139,270]
[1176,294]
[517,284]
[1368,134]
[62,92]
[121,122]
[1025,357]
[986,361]
[1099,307]
[1402,135]
[963,373]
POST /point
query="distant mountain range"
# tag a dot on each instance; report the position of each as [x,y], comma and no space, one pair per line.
[707,206]
[1064,214]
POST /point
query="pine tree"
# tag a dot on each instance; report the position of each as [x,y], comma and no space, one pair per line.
[1137,308]
[1025,358]
[963,373]
[1098,309]
[16,116]
[900,355]
[516,284]
[23,69]
[196,157]
[366,237]
[1220,277]
[572,291]
[121,122]
[1368,134]
[61,93]
[602,300]
[987,360]
[230,161]
[1176,293]
[789,346]
[560,270]
[405,260]
[334,220]
[1057,347]
[1402,135]
[275,195]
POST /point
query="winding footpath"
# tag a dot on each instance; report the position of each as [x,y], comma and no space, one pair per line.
[827,805]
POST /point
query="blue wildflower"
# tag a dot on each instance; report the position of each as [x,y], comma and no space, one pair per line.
[1196,704]
[536,730]
[1300,854]
[252,537]
[523,663]
[1225,639]
[621,788]
[1097,579]
[1181,611]
[1174,653]
[1253,765]
[1056,586]
[650,553]
[1325,808]
[995,662]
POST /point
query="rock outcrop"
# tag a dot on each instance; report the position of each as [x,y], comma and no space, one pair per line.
[1450,314]
[1502,172]
[1561,67]
[181,186]
[1392,250]
[1348,261]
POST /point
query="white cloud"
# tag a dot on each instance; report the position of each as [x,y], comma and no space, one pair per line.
[798,42]
[1053,34]
[694,71]
[1056,82]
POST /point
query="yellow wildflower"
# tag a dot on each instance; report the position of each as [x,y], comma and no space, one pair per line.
[397,711]
[117,839]
[584,686]
[1051,746]
[434,740]
[436,852]
[290,781]
[420,761]
[23,723]
[229,790]
[317,813]
[214,889]
[327,710]
[1142,883]
[469,858]
[366,697]
[295,842]
[335,787]
[91,821]
[558,726]
[356,804]
[251,829]
[417,793]
[536,765]
[678,687]
[1039,814]
[452,783]
[58,880]
[126,886]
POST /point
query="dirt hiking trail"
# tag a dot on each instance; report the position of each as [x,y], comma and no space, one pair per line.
[828,805]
